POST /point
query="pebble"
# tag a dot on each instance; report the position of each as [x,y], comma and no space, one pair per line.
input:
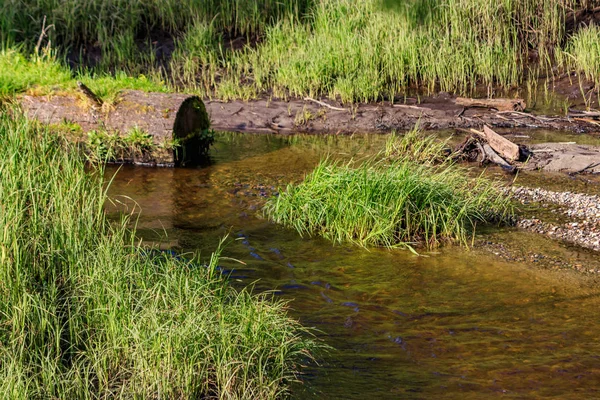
[584,232]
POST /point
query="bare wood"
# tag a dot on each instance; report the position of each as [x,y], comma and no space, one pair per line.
[409,106]
[498,104]
[43,34]
[491,155]
[588,120]
[585,114]
[503,146]
[321,103]
[481,152]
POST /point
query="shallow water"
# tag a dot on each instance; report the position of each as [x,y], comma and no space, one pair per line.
[451,324]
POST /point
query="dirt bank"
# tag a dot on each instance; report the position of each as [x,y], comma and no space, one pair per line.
[440,112]
[313,116]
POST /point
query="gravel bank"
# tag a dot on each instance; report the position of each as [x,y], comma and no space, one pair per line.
[583,211]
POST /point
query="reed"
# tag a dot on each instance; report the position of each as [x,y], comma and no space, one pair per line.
[582,54]
[88,313]
[392,202]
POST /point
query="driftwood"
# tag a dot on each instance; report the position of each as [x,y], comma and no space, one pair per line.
[492,156]
[174,119]
[485,146]
[584,114]
[498,104]
[507,149]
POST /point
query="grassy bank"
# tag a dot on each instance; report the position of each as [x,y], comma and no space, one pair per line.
[88,313]
[582,54]
[349,50]
[397,201]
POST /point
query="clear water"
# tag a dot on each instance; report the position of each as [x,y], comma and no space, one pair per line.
[451,324]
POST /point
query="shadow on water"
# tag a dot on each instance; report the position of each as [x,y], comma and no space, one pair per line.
[454,324]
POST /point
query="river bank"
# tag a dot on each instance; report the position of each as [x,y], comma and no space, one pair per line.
[88,311]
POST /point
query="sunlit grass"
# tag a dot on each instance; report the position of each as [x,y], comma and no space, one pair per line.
[19,73]
[44,74]
[353,51]
[88,313]
[394,202]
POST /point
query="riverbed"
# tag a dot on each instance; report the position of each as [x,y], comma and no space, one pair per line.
[452,323]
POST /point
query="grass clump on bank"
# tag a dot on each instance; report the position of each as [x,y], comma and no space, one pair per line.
[582,53]
[88,313]
[393,203]
[43,74]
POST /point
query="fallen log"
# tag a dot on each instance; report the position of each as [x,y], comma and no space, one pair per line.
[498,104]
[476,148]
[176,124]
[501,145]
[584,114]
[492,156]
[578,19]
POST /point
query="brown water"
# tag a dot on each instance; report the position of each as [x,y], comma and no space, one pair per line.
[452,324]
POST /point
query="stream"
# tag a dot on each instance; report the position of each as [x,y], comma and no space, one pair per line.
[454,323]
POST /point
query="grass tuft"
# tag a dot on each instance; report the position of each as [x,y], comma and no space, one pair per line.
[393,202]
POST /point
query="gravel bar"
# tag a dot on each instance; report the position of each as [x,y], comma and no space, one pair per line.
[583,229]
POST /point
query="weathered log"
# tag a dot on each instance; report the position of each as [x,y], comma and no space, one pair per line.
[498,104]
[476,148]
[492,156]
[175,122]
[501,145]
[584,114]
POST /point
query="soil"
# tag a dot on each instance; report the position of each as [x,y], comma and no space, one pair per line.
[439,112]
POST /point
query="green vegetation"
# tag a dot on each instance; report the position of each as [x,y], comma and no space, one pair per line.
[393,202]
[582,53]
[18,73]
[107,146]
[44,74]
[345,49]
[88,313]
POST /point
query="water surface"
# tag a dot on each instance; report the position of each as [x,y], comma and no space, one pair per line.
[451,324]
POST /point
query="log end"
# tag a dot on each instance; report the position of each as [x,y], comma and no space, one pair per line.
[192,130]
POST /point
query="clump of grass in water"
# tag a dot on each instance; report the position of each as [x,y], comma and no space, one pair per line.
[393,202]
[87,313]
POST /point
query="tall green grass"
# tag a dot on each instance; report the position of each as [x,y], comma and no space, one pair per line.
[582,53]
[102,21]
[361,51]
[392,202]
[354,51]
[87,313]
